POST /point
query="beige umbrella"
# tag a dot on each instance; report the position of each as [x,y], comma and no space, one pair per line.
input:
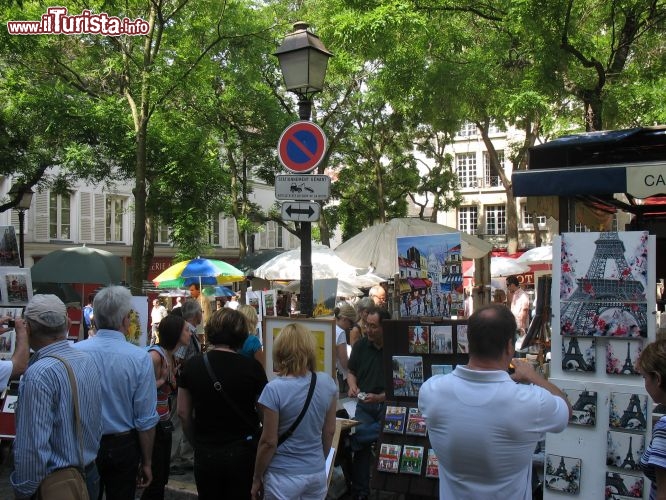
[375,248]
[287,265]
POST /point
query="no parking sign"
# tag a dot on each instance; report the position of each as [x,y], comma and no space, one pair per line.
[301,147]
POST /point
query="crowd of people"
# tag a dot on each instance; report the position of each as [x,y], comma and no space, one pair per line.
[246,437]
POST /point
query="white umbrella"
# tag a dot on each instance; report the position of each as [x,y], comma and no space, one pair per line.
[538,255]
[287,265]
[345,289]
[375,247]
[506,266]
[501,266]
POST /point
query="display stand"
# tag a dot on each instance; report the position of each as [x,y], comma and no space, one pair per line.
[413,351]
[603,305]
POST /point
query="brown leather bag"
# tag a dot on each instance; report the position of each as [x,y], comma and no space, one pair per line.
[63,484]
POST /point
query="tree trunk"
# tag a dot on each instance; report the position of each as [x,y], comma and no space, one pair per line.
[139,191]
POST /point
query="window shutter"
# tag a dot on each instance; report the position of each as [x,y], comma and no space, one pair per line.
[85,217]
[230,233]
[41,206]
[99,226]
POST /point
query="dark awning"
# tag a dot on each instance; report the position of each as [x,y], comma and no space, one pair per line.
[598,163]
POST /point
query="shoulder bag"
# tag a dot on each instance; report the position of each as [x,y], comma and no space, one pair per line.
[255,429]
[68,483]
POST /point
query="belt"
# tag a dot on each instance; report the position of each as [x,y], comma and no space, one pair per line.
[118,435]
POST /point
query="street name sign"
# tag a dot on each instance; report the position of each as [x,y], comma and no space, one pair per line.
[301,212]
[301,147]
[302,187]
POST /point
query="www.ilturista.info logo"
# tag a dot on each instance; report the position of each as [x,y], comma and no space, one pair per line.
[57,22]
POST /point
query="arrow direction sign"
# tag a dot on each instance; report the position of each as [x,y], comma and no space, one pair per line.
[302,187]
[301,212]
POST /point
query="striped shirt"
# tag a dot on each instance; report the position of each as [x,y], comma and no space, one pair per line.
[654,455]
[128,382]
[45,423]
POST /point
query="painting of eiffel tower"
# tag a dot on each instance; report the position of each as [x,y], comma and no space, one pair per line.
[583,405]
[622,357]
[628,411]
[608,300]
[562,473]
[623,486]
[578,354]
[624,450]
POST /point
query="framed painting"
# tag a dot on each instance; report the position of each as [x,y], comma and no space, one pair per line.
[562,473]
[16,286]
[323,331]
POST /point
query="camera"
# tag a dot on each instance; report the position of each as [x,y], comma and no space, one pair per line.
[11,323]
[362,396]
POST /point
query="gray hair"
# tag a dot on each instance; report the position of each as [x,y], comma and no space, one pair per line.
[190,309]
[112,304]
[364,304]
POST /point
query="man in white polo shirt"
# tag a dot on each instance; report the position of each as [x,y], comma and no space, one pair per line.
[483,425]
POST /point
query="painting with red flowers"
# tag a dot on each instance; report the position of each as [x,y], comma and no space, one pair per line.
[603,285]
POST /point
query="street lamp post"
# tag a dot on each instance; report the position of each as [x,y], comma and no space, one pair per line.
[303,61]
[23,199]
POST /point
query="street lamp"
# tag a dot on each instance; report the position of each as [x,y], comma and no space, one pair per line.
[22,197]
[303,61]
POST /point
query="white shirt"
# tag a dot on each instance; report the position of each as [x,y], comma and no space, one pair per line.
[484,428]
[158,313]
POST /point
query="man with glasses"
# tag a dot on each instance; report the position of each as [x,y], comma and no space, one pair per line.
[378,295]
[366,382]
[129,401]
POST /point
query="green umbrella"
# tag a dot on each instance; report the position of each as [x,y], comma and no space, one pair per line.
[78,265]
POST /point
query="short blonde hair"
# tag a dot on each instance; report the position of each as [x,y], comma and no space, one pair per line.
[251,317]
[295,350]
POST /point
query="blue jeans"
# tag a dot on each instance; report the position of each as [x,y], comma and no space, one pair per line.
[370,415]
[92,480]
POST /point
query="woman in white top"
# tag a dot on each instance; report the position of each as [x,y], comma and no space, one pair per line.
[291,466]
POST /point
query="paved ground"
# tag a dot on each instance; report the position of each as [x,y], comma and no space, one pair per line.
[180,487]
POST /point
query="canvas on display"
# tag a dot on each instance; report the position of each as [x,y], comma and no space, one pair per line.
[562,473]
[441,339]
[431,267]
[628,411]
[418,339]
[584,406]
[603,286]
[579,354]
[407,375]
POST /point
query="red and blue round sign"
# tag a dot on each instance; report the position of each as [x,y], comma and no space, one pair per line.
[301,147]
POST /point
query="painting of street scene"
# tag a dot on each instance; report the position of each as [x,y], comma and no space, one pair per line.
[407,375]
[431,273]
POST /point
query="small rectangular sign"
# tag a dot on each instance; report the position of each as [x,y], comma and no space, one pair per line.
[302,187]
[301,212]
[648,180]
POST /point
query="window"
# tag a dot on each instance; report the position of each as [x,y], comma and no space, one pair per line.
[490,177]
[115,211]
[528,220]
[213,231]
[495,219]
[581,228]
[468,218]
[466,170]
[60,216]
[162,233]
[493,129]
[468,129]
